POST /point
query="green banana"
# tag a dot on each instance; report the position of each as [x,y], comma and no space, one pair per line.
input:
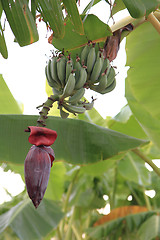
[53,70]
[84,54]
[110,88]
[56,92]
[97,68]
[87,105]
[69,87]
[111,76]
[77,96]
[50,81]
[69,68]
[61,69]
[63,114]
[91,59]
[73,108]
[77,67]
[106,66]
[102,83]
[82,78]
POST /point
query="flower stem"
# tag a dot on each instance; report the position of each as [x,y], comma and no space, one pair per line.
[147,160]
[154,21]
[45,109]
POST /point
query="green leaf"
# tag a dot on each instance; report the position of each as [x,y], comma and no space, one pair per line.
[126,123]
[140,8]
[21,21]
[3,47]
[73,42]
[8,104]
[55,186]
[150,229]
[78,142]
[30,223]
[90,5]
[117,6]
[72,11]
[142,83]
[132,168]
[52,13]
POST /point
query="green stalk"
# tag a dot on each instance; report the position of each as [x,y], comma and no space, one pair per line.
[112,205]
[59,233]
[76,233]
[71,221]
[148,205]
[45,109]
[147,160]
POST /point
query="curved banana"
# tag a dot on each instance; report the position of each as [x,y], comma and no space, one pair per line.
[82,78]
[91,59]
[53,70]
[106,66]
[97,68]
[77,96]
[63,114]
[69,69]
[50,81]
[84,54]
[102,83]
[56,92]
[111,76]
[69,87]
[73,108]
[110,88]
[87,105]
[77,67]
[61,69]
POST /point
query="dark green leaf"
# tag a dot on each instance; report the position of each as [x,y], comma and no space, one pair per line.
[3,47]
[72,11]
[140,8]
[21,21]
[132,168]
[142,83]
[78,142]
[30,223]
[8,105]
[73,42]
[117,6]
[52,13]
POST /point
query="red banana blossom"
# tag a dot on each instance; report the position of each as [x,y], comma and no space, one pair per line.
[38,162]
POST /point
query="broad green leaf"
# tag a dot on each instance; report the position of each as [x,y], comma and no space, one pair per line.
[3,47]
[126,123]
[8,104]
[132,168]
[78,142]
[73,42]
[117,6]
[117,225]
[150,229]
[139,8]
[30,223]
[21,21]
[91,4]
[51,12]
[72,10]
[142,83]
[55,186]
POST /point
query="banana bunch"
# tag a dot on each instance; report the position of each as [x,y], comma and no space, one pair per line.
[69,78]
[100,74]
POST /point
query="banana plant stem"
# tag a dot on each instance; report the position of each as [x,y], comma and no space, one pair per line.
[148,205]
[45,109]
[154,21]
[147,160]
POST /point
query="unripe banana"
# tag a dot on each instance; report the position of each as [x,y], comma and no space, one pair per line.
[110,88]
[82,78]
[61,69]
[53,70]
[91,59]
[73,108]
[102,84]
[69,69]
[56,92]
[77,96]
[77,67]
[111,76]
[50,81]
[84,54]
[97,68]
[63,114]
[88,105]
[106,66]
[69,87]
